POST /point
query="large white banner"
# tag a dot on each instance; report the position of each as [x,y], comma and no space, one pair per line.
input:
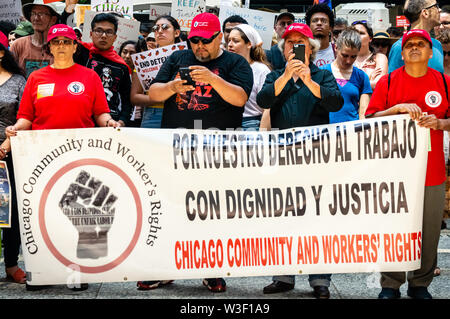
[132,204]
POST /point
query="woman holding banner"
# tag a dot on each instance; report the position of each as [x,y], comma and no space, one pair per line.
[12,83]
[62,95]
[167,31]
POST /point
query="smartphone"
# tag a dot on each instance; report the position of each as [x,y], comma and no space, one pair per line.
[299,50]
[185,74]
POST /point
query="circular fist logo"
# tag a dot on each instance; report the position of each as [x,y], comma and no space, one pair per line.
[76,88]
[88,204]
[433,99]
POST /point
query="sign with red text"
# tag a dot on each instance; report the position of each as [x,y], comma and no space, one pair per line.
[148,63]
[156,11]
[185,10]
[105,205]
[401,21]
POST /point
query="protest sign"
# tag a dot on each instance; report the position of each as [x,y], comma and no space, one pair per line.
[10,11]
[185,10]
[127,29]
[262,21]
[5,196]
[124,7]
[100,205]
[148,63]
[156,11]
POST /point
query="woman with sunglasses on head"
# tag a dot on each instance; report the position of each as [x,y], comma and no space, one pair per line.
[374,64]
[166,31]
[246,41]
[353,83]
[12,83]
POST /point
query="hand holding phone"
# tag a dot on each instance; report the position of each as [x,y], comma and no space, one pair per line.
[185,74]
[299,50]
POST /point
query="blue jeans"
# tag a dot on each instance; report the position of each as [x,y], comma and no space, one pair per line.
[314,280]
[151,117]
[251,123]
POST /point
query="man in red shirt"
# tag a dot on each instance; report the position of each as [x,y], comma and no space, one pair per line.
[417,89]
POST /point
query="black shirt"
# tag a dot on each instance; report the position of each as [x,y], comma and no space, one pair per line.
[204,103]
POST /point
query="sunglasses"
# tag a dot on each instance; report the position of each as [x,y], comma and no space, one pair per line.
[163,27]
[337,32]
[196,40]
[446,53]
[59,42]
[433,5]
[359,22]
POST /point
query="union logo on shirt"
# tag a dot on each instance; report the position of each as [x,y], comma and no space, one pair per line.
[76,88]
[433,99]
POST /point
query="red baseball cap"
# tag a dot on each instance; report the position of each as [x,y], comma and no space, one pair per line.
[298,27]
[61,30]
[416,33]
[204,25]
[4,40]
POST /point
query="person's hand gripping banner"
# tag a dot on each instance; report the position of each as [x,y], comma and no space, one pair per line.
[88,205]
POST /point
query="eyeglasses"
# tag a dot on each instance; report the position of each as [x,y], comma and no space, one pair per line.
[446,53]
[196,40]
[359,22]
[433,5]
[65,42]
[99,32]
[163,27]
[39,14]
[445,22]
[322,20]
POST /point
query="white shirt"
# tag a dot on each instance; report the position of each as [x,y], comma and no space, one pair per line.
[260,70]
[324,57]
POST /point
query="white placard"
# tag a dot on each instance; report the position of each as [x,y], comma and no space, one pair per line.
[127,29]
[10,11]
[262,21]
[185,10]
[134,204]
[156,11]
[124,7]
[148,63]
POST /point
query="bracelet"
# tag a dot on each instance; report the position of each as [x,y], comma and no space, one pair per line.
[4,150]
[107,122]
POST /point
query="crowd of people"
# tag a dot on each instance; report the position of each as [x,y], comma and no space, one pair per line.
[50,79]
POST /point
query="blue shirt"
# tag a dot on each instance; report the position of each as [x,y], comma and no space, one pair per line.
[436,62]
[358,84]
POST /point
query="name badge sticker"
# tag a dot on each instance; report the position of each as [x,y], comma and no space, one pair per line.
[44,90]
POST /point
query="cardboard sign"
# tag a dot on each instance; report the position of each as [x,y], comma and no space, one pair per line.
[124,7]
[127,29]
[185,10]
[10,11]
[80,10]
[148,63]
[260,20]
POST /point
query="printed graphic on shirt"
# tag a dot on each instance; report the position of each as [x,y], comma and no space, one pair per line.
[197,100]
[433,99]
[33,65]
[76,88]
[44,90]
[110,76]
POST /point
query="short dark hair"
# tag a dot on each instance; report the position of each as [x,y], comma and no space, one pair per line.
[7,26]
[105,17]
[321,7]
[413,10]
[233,19]
[445,9]
[123,45]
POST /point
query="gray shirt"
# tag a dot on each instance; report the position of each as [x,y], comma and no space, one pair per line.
[10,94]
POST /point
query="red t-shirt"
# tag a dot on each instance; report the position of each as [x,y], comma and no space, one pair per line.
[428,92]
[62,98]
